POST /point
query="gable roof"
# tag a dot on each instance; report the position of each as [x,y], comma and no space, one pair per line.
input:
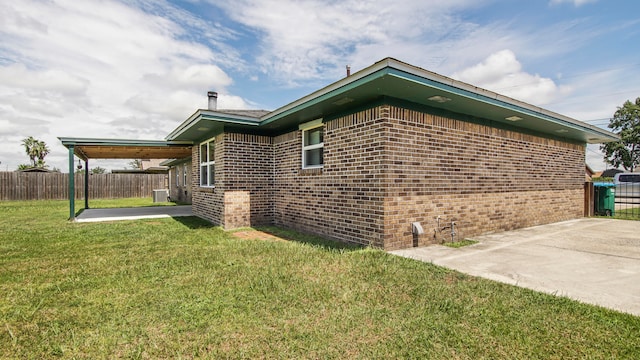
[394,80]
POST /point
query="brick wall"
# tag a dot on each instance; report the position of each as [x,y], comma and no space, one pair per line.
[386,167]
[344,199]
[243,181]
[208,203]
[248,168]
[486,179]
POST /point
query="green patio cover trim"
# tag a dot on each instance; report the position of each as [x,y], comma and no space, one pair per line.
[86,148]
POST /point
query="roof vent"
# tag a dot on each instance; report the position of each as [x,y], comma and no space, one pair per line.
[213,100]
[440,99]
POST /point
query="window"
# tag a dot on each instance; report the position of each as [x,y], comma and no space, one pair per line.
[312,144]
[207,164]
[177,176]
[184,175]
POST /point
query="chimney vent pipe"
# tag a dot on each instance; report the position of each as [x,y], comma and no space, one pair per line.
[213,100]
[348,70]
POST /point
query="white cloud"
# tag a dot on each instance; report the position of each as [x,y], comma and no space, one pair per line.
[138,68]
[502,72]
[17,75]
[313,40]
[576,3]
[577,98]
[78,68]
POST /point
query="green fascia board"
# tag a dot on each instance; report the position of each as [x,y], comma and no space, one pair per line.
[366,83]
[467,118]
[174,162]
[323,96]
[502,101]
[202,116]
[69,141]
[184,126]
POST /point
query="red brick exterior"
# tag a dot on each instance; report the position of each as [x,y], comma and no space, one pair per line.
[243,170]
[386,167]
[344,200]
[486,179]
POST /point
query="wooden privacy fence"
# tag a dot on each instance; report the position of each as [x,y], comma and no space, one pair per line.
[55,186]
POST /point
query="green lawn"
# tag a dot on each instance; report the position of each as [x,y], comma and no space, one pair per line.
[183,289]
[628,214]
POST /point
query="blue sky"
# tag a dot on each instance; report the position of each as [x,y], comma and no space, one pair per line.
[138,68]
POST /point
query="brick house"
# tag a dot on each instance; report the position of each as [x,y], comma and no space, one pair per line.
[180,186]
[364,158]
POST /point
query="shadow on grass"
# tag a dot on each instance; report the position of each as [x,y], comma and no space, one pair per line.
[313,240]
[194,222]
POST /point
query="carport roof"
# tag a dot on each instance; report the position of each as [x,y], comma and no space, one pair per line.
[91,148]
[393,79]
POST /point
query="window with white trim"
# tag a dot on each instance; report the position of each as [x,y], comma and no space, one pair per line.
[184,175]
[177,176]
[207,164]
[312,144]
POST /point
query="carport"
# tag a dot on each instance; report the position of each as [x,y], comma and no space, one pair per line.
[91,148]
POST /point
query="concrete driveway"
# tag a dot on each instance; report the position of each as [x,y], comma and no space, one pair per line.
[596,261]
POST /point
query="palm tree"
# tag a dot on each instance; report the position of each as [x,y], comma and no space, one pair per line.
[30,148]
[36,149]
[42,150]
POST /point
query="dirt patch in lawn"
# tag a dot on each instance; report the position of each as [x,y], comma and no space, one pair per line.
[256,235]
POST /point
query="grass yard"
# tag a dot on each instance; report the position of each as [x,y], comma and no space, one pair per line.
[180,288]
[628,214]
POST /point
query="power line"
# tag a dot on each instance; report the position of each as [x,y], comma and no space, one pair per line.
[601,71]
[594,151]
[572,76]
[596,120]
[600,95]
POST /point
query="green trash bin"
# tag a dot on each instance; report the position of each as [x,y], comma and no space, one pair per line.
[604,198]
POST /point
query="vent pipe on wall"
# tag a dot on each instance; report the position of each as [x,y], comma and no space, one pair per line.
[213,100]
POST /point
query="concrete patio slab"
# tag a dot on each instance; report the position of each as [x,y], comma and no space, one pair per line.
[596,261]
[116,214]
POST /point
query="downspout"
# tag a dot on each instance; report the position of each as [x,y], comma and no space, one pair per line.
[72,186]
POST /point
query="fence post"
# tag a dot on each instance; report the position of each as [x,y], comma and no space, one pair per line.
[588,199]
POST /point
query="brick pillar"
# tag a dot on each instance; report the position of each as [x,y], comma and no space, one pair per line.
[237,209]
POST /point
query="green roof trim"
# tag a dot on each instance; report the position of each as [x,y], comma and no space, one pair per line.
[207,119]
[390,78]
[73,141]
[174,162]
[499,100]
[314,99]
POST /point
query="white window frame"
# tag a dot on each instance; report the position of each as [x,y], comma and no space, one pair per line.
[184,174]
[206,163]
[311,125]
[177,177]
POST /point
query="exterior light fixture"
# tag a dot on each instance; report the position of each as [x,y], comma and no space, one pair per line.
[343,101]
[203,128]
[79,165]
[562,131]
[513,118]
[438,98]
